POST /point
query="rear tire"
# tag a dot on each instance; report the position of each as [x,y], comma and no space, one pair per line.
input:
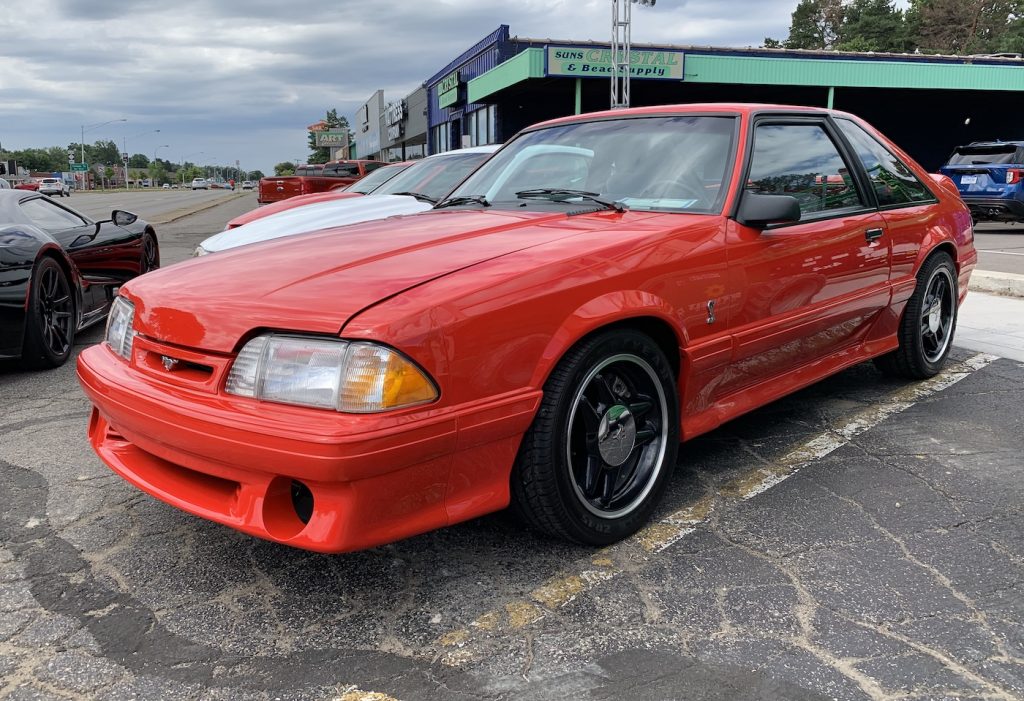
[50,322]
[928,323]
[603,445]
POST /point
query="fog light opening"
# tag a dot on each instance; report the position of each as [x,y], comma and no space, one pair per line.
[302,501]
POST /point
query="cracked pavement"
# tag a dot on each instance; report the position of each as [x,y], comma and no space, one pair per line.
[861,539]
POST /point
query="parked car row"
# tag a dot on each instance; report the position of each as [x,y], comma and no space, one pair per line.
[543,336]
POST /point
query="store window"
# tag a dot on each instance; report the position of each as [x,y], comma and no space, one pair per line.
[441,137]
[481,126]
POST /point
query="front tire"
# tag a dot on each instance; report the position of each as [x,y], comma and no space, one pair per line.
[603,445]
[50,322]
[150,254]
[928,323]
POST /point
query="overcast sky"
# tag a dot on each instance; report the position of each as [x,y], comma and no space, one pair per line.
[241,79]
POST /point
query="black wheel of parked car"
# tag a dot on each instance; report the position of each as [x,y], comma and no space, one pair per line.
[928,323]
[50,324]
[150,253]
[603,445]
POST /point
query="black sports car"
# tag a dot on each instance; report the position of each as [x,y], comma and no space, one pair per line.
[59,272]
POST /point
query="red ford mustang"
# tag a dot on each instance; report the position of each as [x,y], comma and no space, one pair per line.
[604,287]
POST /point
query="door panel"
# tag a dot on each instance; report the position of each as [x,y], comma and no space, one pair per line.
[804,290]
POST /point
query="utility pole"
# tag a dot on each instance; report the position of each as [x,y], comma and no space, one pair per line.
[621,11]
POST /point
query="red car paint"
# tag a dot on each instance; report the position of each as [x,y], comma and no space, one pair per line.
[486,301]
[277,188]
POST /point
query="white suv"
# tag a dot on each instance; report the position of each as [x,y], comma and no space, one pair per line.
[200,184]
[54,186]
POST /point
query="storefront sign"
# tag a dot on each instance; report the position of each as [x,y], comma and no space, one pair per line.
[394,118]
[448,90]
[331,137]
[590,61]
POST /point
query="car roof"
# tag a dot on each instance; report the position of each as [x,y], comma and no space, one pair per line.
[735,108]
[489,148]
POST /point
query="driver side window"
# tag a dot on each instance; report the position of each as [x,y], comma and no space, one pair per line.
[50,216]
[802,161]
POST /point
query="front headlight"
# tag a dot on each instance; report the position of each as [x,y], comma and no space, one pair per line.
[349,376]
[120,334]
[200,251]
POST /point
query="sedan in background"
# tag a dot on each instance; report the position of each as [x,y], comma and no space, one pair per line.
[59,272]
[602,288]
[410,192]
[248,184]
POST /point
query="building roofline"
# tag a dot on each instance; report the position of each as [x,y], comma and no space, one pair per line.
[793,53]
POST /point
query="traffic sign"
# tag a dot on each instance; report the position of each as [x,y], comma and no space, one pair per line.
[79,167]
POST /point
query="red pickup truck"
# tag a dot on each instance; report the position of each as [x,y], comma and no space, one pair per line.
[314,178]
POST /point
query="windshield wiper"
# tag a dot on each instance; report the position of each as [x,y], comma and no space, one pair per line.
[463,199]
[419,196]
[556,194]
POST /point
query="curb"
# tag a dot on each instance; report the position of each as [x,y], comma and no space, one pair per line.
[1006,284]
[182,213]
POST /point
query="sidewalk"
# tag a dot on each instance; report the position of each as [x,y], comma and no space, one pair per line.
[992,324]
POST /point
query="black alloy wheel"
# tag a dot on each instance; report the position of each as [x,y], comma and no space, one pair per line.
[600,452]
[50,324]
[150,254]
[928,323]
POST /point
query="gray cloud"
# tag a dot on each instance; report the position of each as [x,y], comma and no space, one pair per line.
[241,80]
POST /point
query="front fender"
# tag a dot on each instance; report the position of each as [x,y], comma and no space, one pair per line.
[605,310]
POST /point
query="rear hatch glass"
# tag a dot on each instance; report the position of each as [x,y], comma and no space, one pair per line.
[986,169]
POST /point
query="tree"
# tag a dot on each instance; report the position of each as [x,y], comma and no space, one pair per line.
[873,25]
[333,121]
[964,26]
[255,175]
[157,172]
[284,168]
[815,24]
[138,160]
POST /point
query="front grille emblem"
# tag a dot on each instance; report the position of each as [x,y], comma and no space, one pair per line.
[169,363]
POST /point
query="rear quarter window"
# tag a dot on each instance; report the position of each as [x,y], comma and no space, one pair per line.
[892,180]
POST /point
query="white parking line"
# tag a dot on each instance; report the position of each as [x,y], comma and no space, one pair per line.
[1003,253]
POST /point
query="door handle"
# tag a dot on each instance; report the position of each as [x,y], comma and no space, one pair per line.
[873,234]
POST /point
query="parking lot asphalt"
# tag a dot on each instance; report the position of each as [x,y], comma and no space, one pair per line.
[863,538]
[1000,247]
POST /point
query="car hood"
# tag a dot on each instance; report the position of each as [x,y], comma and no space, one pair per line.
[312,217]
[317,282]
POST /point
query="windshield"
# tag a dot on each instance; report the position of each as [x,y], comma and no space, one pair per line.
[649,163]
[434,176]
[377,178]
[988,154]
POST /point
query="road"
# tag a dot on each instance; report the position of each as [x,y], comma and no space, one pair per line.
[1000,247]
[862,539]
[155,205]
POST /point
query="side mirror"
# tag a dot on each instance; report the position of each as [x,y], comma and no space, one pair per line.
[758,211]
[123,218]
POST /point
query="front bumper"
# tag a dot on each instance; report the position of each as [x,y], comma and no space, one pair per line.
[373,478]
